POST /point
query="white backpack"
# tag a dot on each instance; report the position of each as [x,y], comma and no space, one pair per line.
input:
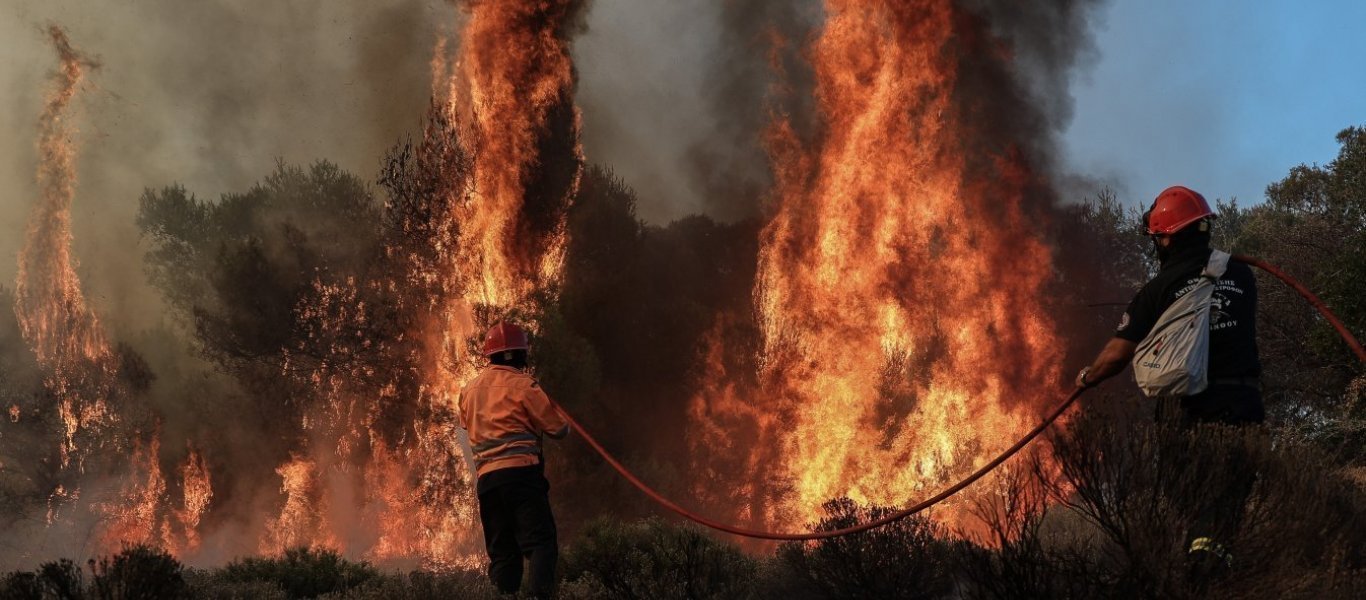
[1174,359]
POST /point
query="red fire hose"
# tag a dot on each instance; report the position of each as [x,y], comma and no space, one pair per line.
[953,489]
[1313,301]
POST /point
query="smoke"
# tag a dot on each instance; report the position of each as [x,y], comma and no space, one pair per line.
[676,96]
[1017,81]
[206,94]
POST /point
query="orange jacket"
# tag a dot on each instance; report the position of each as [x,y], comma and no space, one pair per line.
[506,412]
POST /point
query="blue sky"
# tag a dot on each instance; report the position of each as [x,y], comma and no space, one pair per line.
[1221,96]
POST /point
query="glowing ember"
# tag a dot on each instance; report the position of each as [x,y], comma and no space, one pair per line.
[56,500]
[897,294]
[14,413]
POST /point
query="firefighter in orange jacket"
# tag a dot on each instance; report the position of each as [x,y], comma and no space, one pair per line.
[506,414]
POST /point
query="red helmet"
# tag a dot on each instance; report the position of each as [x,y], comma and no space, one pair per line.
[1175,208]
[503,337]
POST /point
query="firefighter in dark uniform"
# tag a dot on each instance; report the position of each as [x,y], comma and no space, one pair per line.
[1179,225]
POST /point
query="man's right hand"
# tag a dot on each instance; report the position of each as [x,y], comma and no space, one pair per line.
[1081,382]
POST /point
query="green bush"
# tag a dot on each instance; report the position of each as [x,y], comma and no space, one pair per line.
[301,572]
[653,559]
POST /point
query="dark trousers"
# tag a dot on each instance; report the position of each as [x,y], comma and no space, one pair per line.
[1221,515]
[1224,404]
[514,507]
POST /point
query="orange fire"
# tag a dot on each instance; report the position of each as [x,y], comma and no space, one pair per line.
[80,368]
[303,520]
[142,512]
[903,342]
[53,317]
[509,93]
[514,76]
[197,491]
[133,516]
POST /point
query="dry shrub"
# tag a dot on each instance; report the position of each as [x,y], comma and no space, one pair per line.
[1149,489]
[910,558]
[1030,550]
[653,559]
[301,572]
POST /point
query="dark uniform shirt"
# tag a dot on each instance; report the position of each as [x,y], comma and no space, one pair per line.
[1233,323]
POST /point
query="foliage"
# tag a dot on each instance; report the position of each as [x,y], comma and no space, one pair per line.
[910,558]
[1030,551]
[652,559]
[419,585]
[1312,226]
[138,573]
[302,572]
[1290,521]
[258,250]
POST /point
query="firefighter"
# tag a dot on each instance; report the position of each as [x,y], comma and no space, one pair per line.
[1179,225]
[507,414]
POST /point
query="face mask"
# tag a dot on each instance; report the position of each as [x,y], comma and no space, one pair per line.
[1161,253]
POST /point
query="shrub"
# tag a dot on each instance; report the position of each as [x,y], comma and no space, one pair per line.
[302,572]
[1030,551]
[420,585]
[138,573]
[905,559]
[211,585]
[22,585]
[1293,525]
[653,559]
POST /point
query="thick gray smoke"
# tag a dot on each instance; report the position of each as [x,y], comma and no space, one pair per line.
[207,94]
[676,95]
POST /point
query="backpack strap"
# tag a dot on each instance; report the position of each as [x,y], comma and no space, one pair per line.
[1218,263]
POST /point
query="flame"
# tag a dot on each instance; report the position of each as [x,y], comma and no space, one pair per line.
[902,336]
[513,79]
[134,517]
[81,370]
[501,242]
[53,317]
[143,513]
[303,520]
[510,95]
[198,492]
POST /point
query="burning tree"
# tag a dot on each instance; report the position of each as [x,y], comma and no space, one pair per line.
[901,277]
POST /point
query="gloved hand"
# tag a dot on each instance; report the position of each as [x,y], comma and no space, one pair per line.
[1081,378]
